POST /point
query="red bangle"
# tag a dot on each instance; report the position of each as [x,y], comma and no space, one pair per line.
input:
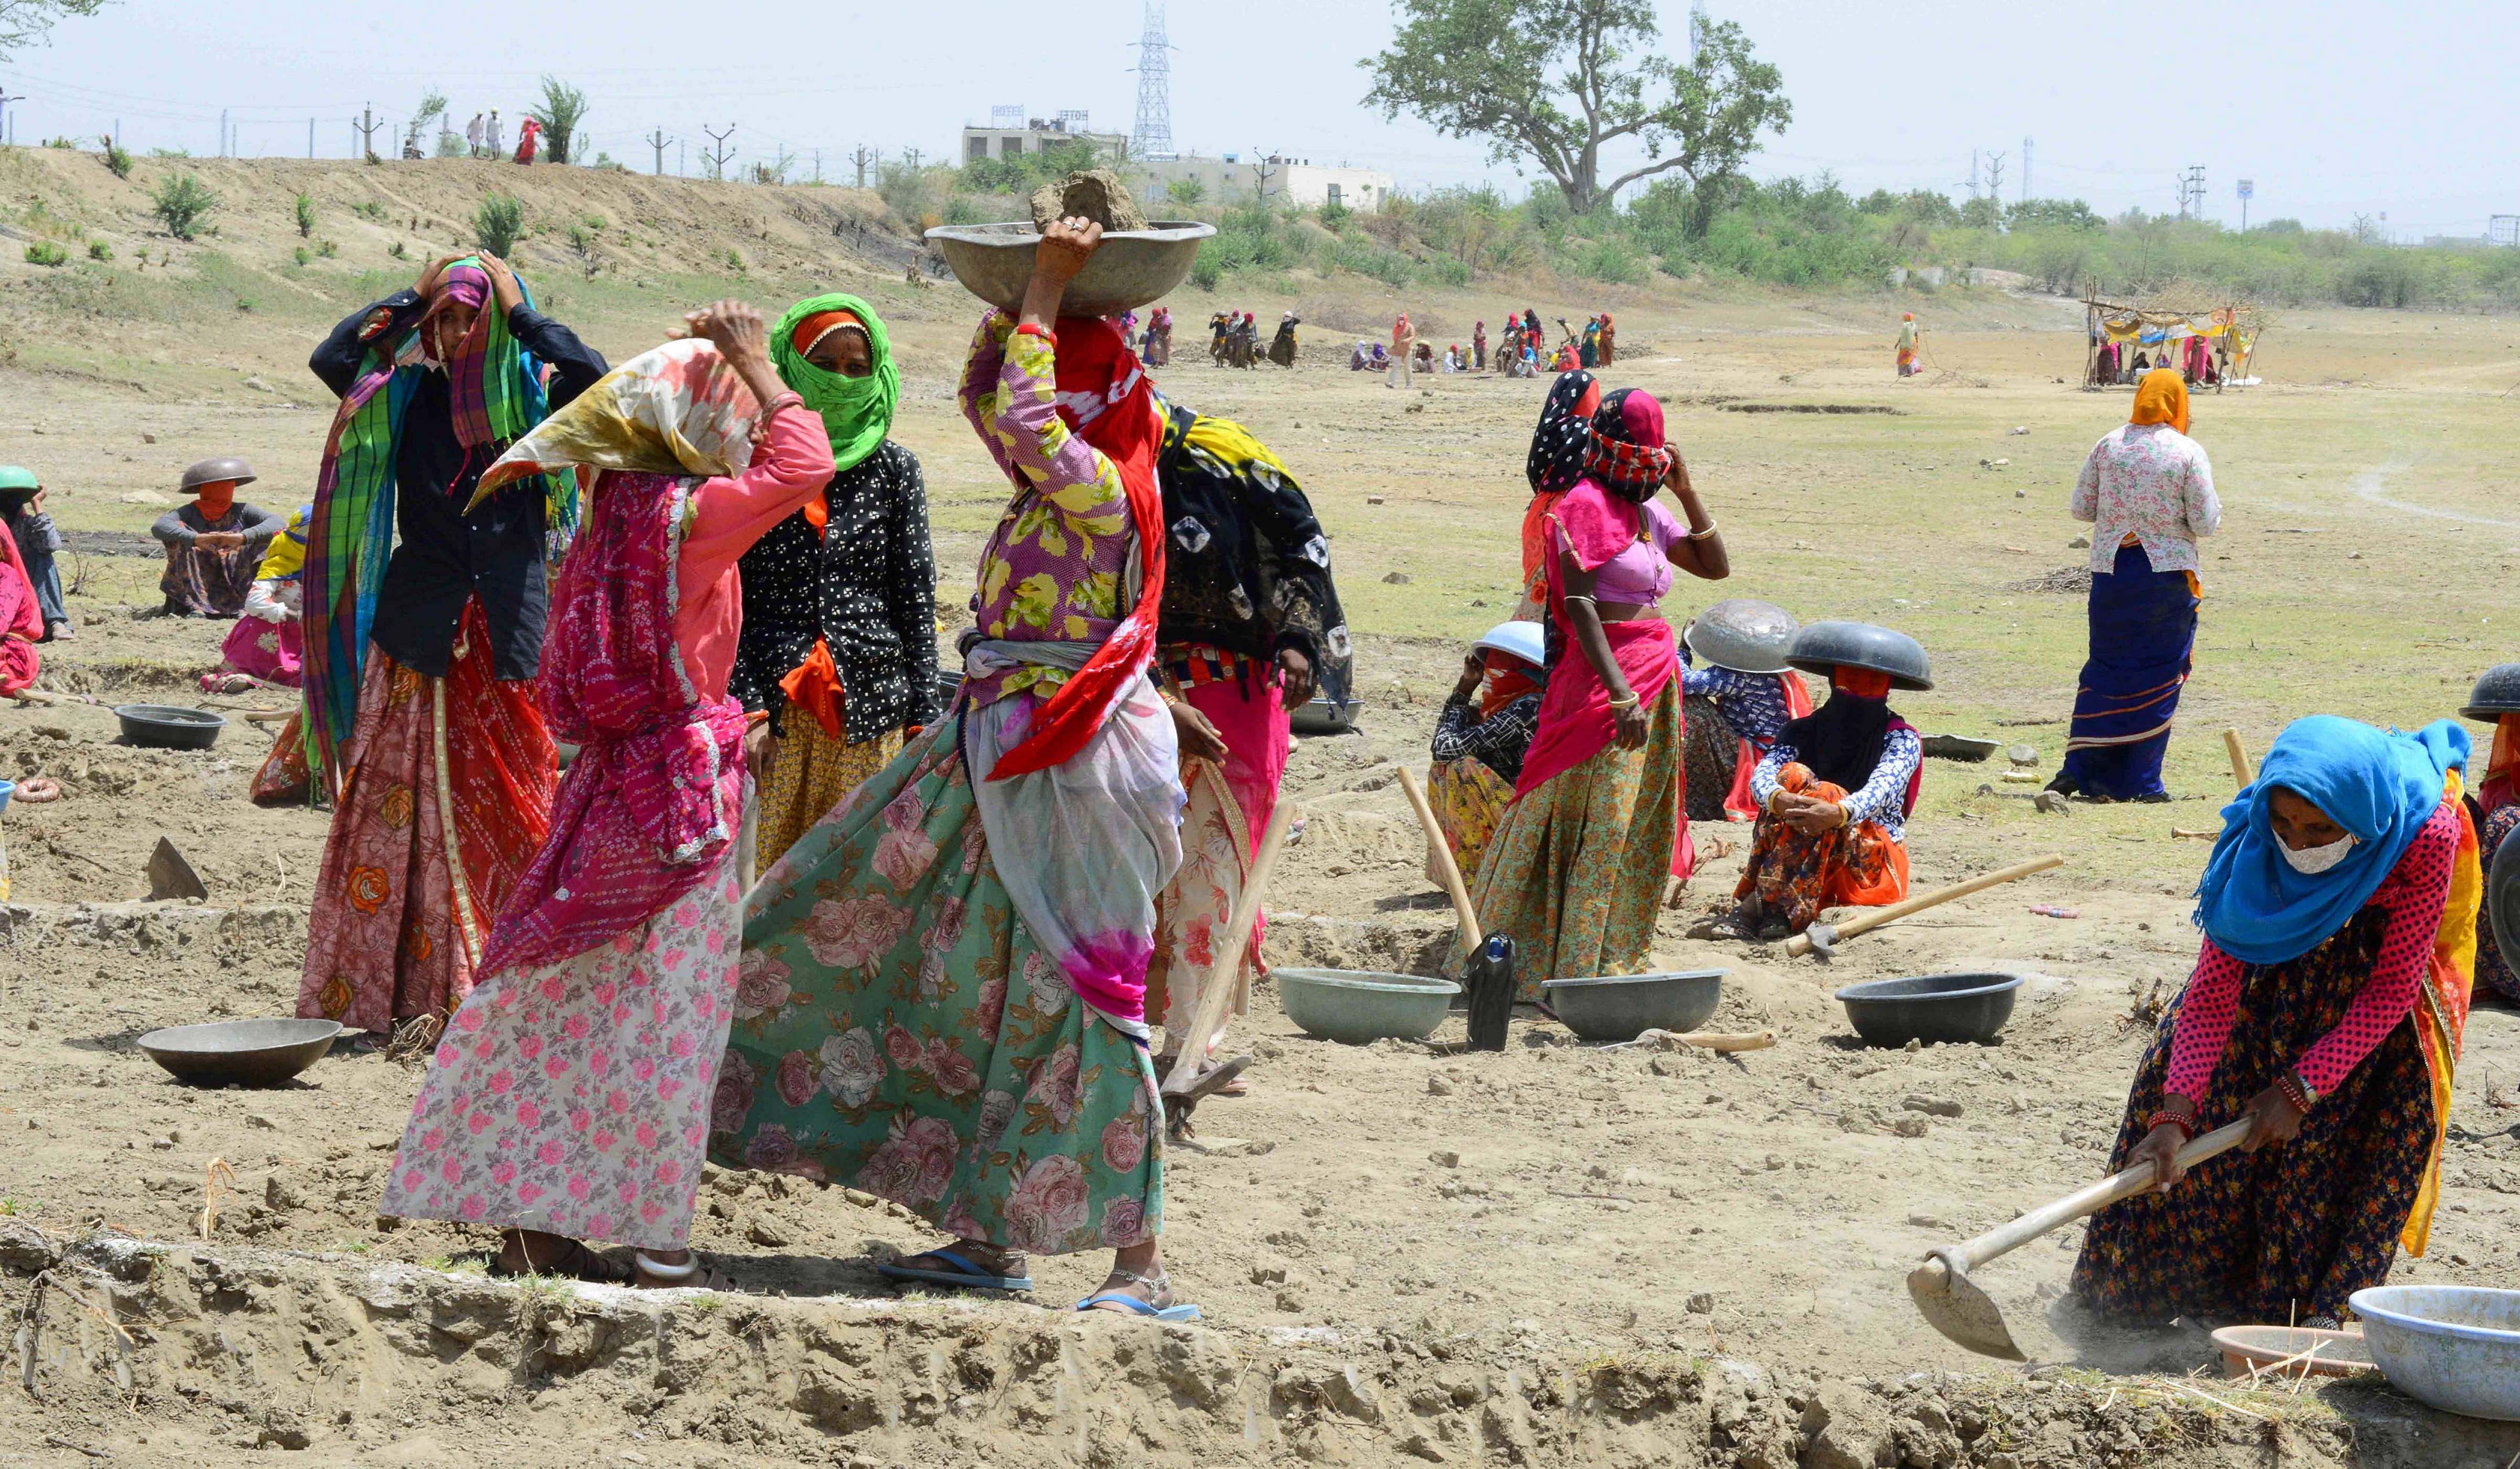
[1027,329]
[2173,1119]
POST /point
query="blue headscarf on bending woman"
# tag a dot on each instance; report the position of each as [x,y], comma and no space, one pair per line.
[2379,785]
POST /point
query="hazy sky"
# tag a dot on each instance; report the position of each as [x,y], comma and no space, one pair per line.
[2333,108]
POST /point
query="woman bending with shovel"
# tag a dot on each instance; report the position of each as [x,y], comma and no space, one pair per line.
[2339,911]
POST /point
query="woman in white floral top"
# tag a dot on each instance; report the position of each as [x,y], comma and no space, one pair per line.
[2148,491]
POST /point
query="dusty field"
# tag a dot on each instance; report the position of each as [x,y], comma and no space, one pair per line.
[1553,1256]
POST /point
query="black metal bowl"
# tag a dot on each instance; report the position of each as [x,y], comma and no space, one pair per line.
[240,1052]
[2503,895]
[1940,1009]
[1824,646]
[2496,695]
[169,727]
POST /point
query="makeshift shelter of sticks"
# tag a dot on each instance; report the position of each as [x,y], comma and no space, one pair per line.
[2229,335]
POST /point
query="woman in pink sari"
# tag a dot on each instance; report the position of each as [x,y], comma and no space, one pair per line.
[569,1096]
[1580,864]
[21,621]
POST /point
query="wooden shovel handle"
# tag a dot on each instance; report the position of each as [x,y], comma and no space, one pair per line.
[2125,1184]
[2240,775]
[1440,852]
[1219,992]
[1871,918]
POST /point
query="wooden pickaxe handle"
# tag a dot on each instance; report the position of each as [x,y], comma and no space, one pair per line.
[1970,1254]
[1219,994]
[1441,852]
[1871,918]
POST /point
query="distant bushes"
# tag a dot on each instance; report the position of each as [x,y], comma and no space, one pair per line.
[1810,234]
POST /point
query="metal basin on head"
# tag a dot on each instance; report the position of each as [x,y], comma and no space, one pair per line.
[1133,268]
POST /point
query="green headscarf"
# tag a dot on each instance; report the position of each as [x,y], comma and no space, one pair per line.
[857,412]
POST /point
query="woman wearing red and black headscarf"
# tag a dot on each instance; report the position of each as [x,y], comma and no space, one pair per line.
[943,999]
[1578,867]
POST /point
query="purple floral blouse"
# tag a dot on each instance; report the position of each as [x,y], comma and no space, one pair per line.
[2152,482]
[1053,567]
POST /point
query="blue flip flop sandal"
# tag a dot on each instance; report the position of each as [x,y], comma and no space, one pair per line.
[966,1277]
[1181,1313]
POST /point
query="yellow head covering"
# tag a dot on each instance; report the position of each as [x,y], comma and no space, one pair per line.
[2162,398]
[286,556]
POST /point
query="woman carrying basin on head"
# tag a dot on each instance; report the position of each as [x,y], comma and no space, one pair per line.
[2339,913]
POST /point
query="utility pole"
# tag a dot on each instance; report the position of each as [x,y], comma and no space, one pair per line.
[1972,173]
[911,156]
[5,100]
[2248,188]
[657,140]
[1261,174]
[1994,176]
[682,160]
[2191,191]
[2025,171]
[366,127]
[863,158]
[716,156]
[310,137]
[223,132]
[818,165]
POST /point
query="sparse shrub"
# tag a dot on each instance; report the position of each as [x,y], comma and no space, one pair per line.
[171,153]
[963,208]
[367,208]
[117,160]
[499,223]
[97,250]
[305,207]
[183,204]
[301,256]
[735,260]
[1189,193]
[46,252]
[327,249]
[400,251]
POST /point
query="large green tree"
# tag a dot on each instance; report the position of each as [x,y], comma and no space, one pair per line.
[22,21]
[1551,82]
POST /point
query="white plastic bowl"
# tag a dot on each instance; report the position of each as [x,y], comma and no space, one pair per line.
[2455,1348]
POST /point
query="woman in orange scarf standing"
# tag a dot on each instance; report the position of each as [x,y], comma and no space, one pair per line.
[2148,489]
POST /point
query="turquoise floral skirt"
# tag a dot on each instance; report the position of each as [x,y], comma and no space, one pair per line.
[899,1031]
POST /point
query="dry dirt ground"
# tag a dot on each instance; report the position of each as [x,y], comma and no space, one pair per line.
[1553,1256]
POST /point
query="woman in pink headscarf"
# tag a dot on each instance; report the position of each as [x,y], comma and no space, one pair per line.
[1580,864]
[21,621]
[569,1098]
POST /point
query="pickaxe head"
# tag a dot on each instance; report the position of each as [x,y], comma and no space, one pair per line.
[1955,1306]
[1824,940]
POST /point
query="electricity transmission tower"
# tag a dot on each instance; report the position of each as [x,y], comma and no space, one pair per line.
[2191,191]
[657,140]
[716,157]
[1153,137]
[1994,176]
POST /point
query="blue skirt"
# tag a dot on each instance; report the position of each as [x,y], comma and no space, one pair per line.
[2143,637]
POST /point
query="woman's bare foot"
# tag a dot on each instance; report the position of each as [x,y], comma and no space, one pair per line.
[531,1252]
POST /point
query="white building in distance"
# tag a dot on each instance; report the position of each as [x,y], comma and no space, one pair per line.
[1012,136]
[1300,182]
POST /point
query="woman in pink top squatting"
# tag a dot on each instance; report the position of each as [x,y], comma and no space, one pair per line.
[2339,913]
[569,1096]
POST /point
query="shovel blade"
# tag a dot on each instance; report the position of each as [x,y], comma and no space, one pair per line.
[1953,1305]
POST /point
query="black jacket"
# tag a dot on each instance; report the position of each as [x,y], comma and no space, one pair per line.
[867,586]
[1246,567]
[444,558]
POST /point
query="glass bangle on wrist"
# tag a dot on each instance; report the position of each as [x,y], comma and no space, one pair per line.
[1699,535]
